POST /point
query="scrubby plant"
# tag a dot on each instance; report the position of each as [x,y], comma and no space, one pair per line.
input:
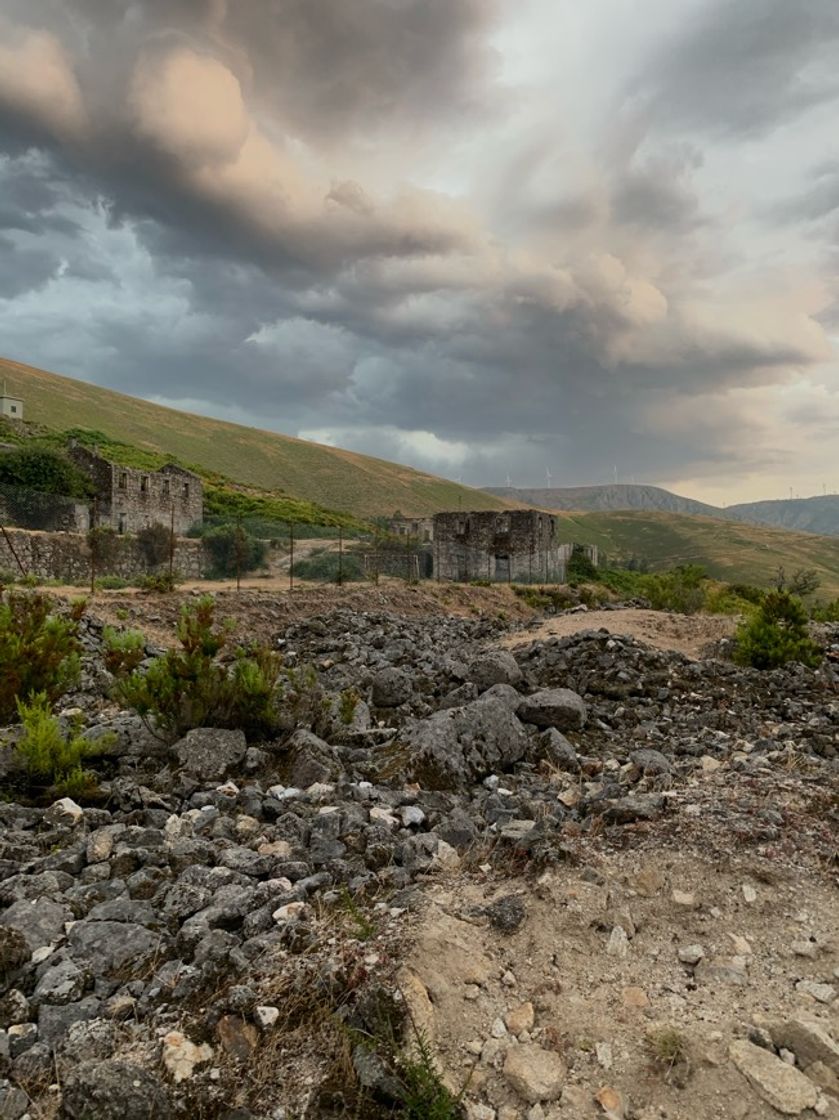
[327,567]
[39,649]
[111,583]
[775,634]
[425,1095]
[154,542]
[826,612]
[581,567]
[124,650]
[45,469]
[162,582]
[232,549]
[47,754]
[191,686]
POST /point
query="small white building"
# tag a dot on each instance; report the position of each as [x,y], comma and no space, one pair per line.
[11,407]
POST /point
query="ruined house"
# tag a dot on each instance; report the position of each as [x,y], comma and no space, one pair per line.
[513,546]
[128,499]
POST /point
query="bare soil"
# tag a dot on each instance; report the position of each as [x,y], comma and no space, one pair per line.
[687,634]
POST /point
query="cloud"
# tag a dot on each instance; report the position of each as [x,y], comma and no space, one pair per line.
[350,220]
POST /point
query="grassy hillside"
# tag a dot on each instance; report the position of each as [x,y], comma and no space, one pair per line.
[729,550]
[331,477]
[808,515]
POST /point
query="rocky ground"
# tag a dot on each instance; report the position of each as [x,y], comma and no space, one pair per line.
[580,877]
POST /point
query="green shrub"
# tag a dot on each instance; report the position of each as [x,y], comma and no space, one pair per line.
[111,583]
[545,598]
[775,634]
[581,568]
[47,754]
[124,650]
[44,469]
[826,612]
[233,550]
[103,543]
[192,687]
[39,650]
[324,568]
[154,542]
[163,582]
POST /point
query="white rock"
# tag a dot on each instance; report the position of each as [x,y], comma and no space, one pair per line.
[411,814]
[382,816]
[685,899]
[618,943]
[691,954]
[603,1050]
[498,1029]
[266,1016]
[749,893]
[64,812]
[445,858]
[180,1056]
[289,912]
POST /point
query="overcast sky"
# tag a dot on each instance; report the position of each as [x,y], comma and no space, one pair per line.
[488,238]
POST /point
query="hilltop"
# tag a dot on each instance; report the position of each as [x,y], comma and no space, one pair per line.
[604,498]
[327,476]
[819,514]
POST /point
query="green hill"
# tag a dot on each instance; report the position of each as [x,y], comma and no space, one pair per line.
[328,476]
[730,550]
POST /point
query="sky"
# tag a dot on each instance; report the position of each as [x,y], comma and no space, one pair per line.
[493,239]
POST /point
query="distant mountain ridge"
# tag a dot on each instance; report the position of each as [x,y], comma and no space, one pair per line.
[606,498]
[819,514]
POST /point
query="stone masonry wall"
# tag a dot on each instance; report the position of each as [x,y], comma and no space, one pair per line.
[66,556]
[519,546]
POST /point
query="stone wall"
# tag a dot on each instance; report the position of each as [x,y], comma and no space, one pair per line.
[129,500]
[66,556]
[518,546]
[34,509]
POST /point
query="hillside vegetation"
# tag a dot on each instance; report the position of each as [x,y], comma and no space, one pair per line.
[819,514]
[328,476]
[729,550]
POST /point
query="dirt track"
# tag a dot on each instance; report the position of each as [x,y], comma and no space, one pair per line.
[688,634]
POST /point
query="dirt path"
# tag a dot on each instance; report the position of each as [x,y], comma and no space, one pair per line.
[688,634]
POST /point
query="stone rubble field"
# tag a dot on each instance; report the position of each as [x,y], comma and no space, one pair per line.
[595,878]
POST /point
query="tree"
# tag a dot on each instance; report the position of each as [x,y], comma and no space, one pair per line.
[776,633]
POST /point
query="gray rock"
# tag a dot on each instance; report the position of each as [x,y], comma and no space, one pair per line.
[40,920]
[650,761]
[127,736]
[14,950]
[506,914]
[109,945]
[461,745]
[808,1040]
[554,707]
[114,1090]
[54,1022]
[312,760]
[14,1103]
[210,753]
[62,983]
[556,749]
[391,687]
[496,666]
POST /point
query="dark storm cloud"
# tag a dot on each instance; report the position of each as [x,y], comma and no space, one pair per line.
[741,67]
[169,191]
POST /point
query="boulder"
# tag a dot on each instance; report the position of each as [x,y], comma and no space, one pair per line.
[312,760]
[391,687]
[107,945]
[554,707]
[496,666]
[535,1074]
[112,1090]
[780,1085]
[210,753]
[40,920]
[459,746]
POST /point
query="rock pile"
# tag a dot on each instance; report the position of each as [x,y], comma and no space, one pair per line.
[143,938]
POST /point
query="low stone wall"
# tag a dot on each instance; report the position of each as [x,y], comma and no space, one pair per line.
[66,556]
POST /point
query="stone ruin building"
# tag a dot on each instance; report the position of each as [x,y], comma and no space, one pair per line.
[128,499]
[512,546]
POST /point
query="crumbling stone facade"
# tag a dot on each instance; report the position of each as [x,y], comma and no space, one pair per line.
[129,500]
[513,546]
[66,556]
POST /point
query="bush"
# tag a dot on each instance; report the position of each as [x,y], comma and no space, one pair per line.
[324,568]
[47,755]
[39,650]
[826,612]
[41,468]
[154,543]
[124,650]
[581,568]
[233,549]
[103,544]
[775,634]
[111,583]
[163,582]
[191,686]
